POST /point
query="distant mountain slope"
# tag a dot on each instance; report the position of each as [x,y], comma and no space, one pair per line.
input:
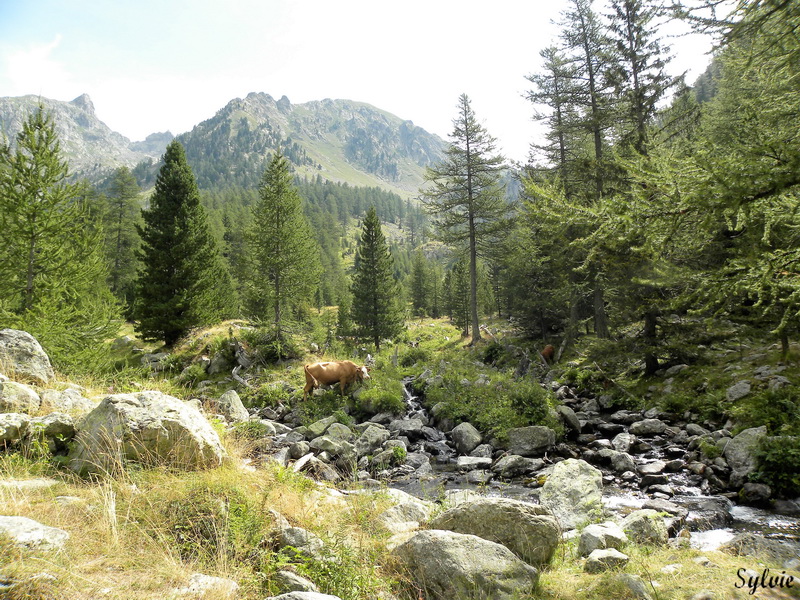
[91,147]
[340,140]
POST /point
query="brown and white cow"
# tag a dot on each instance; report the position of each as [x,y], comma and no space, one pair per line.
[343,372]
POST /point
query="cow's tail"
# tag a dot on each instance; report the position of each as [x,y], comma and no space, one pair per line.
[308,374]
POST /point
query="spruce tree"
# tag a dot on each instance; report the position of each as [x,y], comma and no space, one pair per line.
[466,195]
[284,253]
[377,314]
[183,282]
[420,284]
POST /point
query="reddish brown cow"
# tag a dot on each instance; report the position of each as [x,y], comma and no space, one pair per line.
[343,372]
[548,352]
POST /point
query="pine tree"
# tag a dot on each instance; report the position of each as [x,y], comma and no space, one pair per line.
[122,241]
[183,282]
[377,314]
[420,284]
[284,253]
[52,276]
[466,194]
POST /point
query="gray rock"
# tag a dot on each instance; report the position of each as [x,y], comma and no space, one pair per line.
[513,465]
[695,429]
[569,418]
[528,530]
[201,585]
[531,441]
[30,534]
[454,565]
[406,516]
[738,391]
[479,476]
[318,428]
[23,359]
[468,463]
[655,467]
[339,431]
[18,398]
[483,451]
[371,440]
[755,494]
[148,427]
[648,427]
[741,451]
[755,545]
[56,428]
[289,581]
[466,437]
[622,462]
[573,493]
[622,442]
[604,560]
[600,537]
[302,540]
[299,450]
[638,587]
[70,400]
[411,428]
[13,427]
[645,526]
[231,407]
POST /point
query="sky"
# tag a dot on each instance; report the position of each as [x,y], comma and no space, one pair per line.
[166,65]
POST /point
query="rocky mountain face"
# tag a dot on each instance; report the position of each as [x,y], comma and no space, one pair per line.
[339,140]
[89,145]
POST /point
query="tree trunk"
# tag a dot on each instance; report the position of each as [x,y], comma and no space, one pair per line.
[600,317]
[650,335]
[784,344]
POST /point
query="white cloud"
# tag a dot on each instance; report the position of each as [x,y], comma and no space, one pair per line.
[33,70]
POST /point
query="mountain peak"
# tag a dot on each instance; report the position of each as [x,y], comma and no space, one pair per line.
[84,102]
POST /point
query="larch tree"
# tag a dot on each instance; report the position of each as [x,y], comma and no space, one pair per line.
[284,253]
[376,310]
[122,242]
[183,282]
[465,194]
[52,275]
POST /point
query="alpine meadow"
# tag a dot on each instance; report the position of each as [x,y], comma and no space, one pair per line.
[311,351]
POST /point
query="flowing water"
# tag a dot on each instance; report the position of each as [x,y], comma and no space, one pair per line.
[705,511]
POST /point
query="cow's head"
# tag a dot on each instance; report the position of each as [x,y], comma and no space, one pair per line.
[362,373]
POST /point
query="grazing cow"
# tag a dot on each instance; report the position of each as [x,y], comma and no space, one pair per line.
[548,352]
[343,372]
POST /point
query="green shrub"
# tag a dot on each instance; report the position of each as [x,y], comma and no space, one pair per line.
[779,410]
[268,348]
[377,399]
[709,449]
[250,430]
[414,355]
[531,400]
[320,406]
[779,465]
[267,394]
[193,374]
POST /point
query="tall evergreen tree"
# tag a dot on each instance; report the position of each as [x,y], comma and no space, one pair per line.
[377,314]
[466,195]
[285,255]
[122,242]
[183,282]
[420,284]
[52,276]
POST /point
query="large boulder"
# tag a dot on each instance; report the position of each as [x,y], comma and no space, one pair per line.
[27,533]
[604,560]
[13,427]
[573,493]
[645,526]
[231,407]
[531,441]
[23,359]
[513,465]
[18,398]
[528,530]
[740,452]
[70,400]
[600,537]
[147,427]
[466,437]
[455,565]
[648,427]
[371,440]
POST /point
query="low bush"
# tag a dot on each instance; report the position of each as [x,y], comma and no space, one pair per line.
[779,465]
